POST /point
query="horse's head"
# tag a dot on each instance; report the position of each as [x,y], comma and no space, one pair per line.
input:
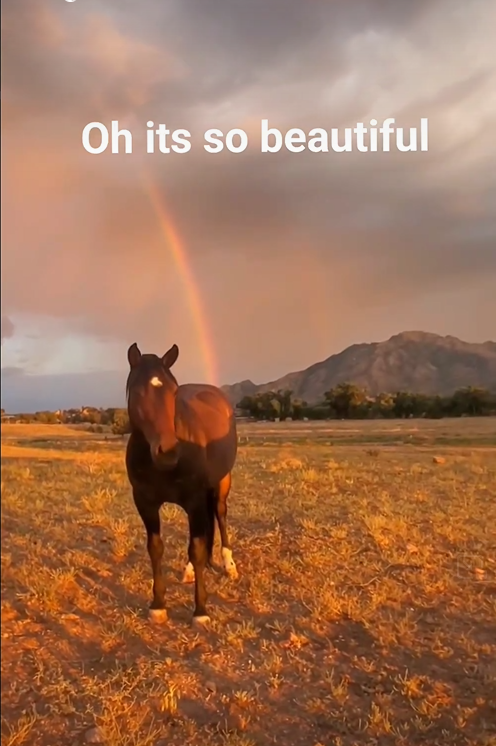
[151,396]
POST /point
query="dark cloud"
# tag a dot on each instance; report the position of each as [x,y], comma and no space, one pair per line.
[299,243]
[12,371]
[7,328]
[25,393]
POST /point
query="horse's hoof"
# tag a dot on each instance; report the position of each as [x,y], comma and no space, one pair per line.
[189,573]
[157,616]
[200,621]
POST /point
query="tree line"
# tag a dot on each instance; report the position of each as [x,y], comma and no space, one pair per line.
[348,401]
[114,419]
[344,401]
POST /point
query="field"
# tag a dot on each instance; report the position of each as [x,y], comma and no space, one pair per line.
[365,610]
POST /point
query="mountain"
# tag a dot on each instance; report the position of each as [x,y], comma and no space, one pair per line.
[419,362]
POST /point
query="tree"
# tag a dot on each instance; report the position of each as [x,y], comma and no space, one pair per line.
[285,403]
[472,401]
[436,407]
[403,404]
[248,405]
[267,405]
[383,405]
[299,407]
[121,424]
[344,399]
[47,418]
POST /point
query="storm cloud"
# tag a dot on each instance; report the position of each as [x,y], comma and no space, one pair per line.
[295,255]
[7,328]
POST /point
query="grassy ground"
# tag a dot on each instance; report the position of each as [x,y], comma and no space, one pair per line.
[365,611]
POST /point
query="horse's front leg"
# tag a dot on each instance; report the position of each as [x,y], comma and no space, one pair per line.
[150,516]
[201,527]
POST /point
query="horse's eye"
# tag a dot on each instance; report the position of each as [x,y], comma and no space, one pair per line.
[155,381]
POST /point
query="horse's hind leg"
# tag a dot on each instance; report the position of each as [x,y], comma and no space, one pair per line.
[189,570]
[201,532]
[221,495]
[189,573]
[221,515]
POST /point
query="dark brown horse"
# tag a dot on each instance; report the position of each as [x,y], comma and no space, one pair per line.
[181,450]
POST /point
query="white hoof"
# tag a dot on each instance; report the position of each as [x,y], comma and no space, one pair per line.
[200,621]
[157,616]
[189,574]
[229,563]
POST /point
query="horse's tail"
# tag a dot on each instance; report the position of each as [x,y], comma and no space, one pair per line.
[211,500]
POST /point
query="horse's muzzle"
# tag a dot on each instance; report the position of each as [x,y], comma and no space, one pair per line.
[165,458]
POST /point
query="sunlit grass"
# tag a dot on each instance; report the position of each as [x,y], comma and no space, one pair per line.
[365,609]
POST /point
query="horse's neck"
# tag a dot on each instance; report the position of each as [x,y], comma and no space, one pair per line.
[139,440]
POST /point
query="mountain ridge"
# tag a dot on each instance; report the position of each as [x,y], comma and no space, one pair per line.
[416,361]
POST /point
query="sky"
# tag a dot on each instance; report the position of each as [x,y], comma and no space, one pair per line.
[294,256]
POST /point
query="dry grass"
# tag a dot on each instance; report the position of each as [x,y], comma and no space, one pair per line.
[365,611]
[44,432]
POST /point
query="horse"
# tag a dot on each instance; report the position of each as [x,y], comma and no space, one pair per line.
[181,449]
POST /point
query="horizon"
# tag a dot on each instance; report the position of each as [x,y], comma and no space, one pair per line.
[254,263]
[110,380]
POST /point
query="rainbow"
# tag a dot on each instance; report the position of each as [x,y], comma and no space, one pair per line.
[180,256]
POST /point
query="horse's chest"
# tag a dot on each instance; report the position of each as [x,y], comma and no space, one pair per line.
[178,488]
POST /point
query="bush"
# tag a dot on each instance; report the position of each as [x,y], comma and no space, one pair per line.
[121,425]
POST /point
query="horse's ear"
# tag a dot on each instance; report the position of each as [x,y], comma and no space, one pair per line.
[134,355]
[170,356]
